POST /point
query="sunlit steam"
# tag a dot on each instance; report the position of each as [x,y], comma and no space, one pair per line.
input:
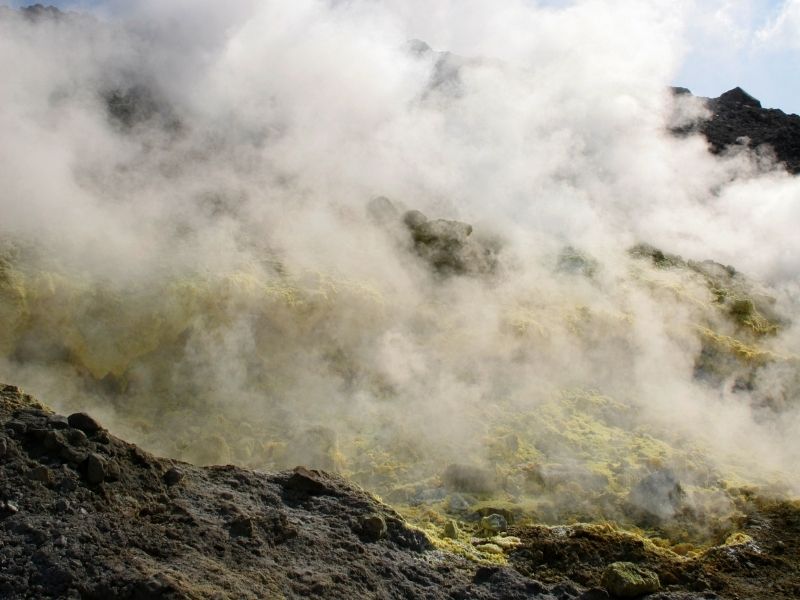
[209,240]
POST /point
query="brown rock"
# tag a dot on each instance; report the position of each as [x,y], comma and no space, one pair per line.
[309,482]
[173,476]
[71,455]
[373,527]
[42,474]
[84,422]
[95,468]
[76,437]
[113,471]
[242,526]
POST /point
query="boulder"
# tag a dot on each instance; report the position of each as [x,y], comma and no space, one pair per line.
[373,527]
[493,524]
[84,423]
[627,580]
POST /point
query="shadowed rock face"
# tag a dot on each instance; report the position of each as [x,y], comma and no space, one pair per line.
[737,115]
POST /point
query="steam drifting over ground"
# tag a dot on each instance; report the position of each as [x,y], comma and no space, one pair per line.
[189,249]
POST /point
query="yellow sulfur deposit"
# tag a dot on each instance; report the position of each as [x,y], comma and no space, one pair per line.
[268,370]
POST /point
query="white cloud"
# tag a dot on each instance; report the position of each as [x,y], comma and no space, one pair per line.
[783,31]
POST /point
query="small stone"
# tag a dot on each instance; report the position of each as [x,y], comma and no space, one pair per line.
[53,440]
[780,547]
[311,482]
[37,433]
[242,526]
[84,423]
[3,447]
[627,580]
[9,507]
[71,456]
[61,505]
[41,474]
[76,437]
[113,471]
[173,476]
[17,426]
[506,513]
[57,421]
[60,542]
[451,530]
[373,527]
[95,469]
[494,524]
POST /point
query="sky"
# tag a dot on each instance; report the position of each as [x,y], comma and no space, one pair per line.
[754,44]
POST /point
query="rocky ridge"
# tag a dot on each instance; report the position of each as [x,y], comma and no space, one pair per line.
[737,119]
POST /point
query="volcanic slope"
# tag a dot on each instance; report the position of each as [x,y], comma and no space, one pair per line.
[84,514]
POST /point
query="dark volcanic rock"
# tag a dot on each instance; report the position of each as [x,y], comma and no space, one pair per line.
[449,248]
[313,483]
[737,117]
[173,476]
[84,422]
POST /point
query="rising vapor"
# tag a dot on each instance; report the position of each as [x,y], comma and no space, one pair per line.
[207,239]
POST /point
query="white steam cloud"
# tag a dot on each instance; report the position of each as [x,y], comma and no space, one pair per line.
[204,248]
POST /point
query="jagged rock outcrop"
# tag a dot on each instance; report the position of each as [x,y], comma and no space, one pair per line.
[447,247]
[738,118]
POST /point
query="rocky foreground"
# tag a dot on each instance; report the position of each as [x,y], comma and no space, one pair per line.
[84,514]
